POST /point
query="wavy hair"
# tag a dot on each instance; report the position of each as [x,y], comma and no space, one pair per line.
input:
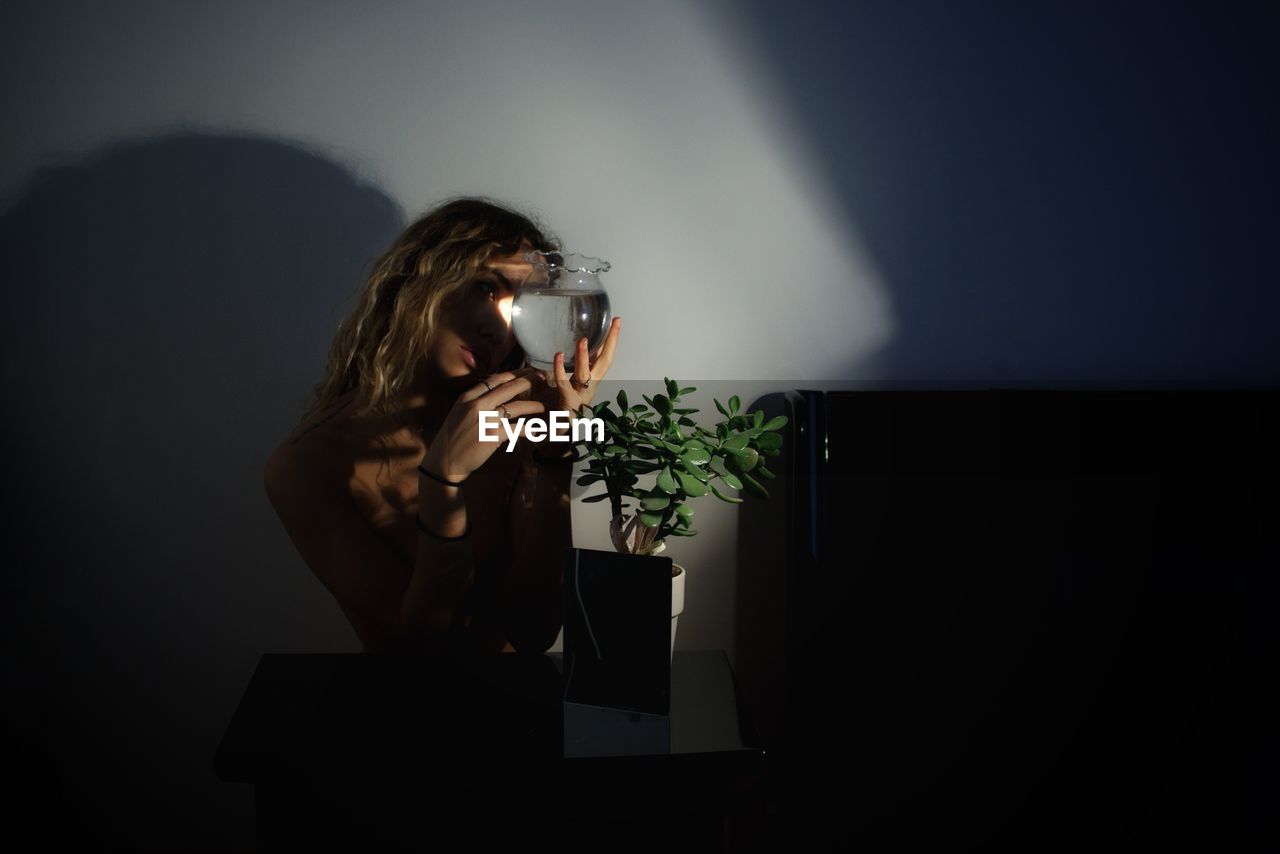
[380,343]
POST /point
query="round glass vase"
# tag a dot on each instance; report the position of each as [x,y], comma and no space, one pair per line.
[560,301]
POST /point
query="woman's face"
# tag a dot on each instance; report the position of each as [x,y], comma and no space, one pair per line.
[475,335]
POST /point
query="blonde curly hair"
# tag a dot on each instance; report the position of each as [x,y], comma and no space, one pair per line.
[380,343]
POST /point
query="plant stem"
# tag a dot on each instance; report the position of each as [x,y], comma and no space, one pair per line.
[631,531]
[610,484]
[646,538]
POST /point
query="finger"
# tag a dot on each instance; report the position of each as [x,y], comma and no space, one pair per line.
[562,379]
[537,375]
[549,375]
[481,389]
[605,359]
[582,362]
[504,393]
[521,408]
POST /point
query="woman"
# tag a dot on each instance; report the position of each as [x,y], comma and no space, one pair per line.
[428,538]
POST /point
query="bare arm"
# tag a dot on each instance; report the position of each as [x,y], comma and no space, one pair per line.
[541,528]
[410,604]
[445,566]
[529,598]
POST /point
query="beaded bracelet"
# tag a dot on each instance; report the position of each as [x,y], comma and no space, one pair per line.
[466,532]
[438,478]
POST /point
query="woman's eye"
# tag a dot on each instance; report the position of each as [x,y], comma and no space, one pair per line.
[489,289]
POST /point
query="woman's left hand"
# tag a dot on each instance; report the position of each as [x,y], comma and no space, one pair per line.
[573,392]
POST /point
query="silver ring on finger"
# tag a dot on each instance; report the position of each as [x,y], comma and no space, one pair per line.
[587,382]
[506,416]
[486,385]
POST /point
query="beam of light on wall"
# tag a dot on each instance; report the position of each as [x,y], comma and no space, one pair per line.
[638,132]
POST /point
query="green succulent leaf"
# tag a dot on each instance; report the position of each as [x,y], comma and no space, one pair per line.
[764,472]
[686,421]
[723,497]
[684,511]
[757,417]
[735,443]
[691,485]
[662,404]
[666,482]
[687,390]
[769,441]
[734,403]
[693,469]
[673,388]
[650,520]
[743,461]
[588,479]
[592,499]
[683,532]
[753,487]
[696,454]
[775,423]
[655,501]
[720,407]
[622,400]
[614,451]
[731,480]
[639,408]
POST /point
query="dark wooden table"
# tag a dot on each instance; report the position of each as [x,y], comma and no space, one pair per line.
[404,751]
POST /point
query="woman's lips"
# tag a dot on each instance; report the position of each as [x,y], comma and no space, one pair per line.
[470,358]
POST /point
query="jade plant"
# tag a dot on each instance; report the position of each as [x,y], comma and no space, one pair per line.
[686,460]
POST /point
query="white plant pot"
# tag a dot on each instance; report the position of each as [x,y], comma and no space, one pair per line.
[677,603]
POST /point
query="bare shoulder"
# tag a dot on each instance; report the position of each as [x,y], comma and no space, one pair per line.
[314,462]
[314,470]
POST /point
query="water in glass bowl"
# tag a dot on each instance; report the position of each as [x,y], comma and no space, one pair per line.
[551,320]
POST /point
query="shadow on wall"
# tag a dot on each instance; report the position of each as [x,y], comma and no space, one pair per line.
[1051,193]
[168,303]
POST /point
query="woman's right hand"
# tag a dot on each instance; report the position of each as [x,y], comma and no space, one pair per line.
[457,450]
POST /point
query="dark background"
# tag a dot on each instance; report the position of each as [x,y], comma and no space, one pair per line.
[1052,191]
